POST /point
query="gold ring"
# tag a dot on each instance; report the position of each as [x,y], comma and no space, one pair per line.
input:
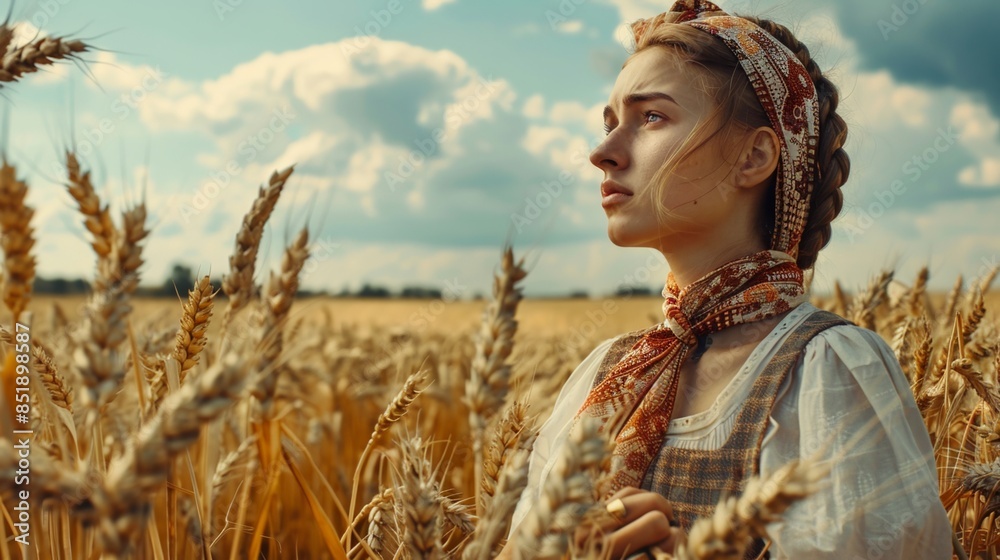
[616,508]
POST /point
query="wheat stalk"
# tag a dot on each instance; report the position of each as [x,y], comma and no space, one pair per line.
[489,379]
[495,521]
[566,495]
[239,285]
[190,338]
[25,59]
[59,390]
[736,521]
[420,502]
[280,293]
[412,387]
[505,438]
[122,499]
[17,241]
[863,307]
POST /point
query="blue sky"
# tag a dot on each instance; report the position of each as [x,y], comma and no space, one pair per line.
[495,105]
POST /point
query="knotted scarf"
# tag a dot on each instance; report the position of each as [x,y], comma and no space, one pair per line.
[747,289]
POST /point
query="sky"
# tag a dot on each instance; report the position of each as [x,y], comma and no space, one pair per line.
[425,133]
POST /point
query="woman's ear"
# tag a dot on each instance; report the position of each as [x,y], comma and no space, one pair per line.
[759,158]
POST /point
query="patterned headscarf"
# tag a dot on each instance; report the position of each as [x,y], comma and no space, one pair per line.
[751,288]
[788,95]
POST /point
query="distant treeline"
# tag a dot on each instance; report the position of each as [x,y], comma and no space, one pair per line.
[182,279]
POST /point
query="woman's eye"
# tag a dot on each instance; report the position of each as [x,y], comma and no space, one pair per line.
[646,115]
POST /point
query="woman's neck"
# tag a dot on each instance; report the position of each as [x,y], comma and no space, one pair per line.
[689,266]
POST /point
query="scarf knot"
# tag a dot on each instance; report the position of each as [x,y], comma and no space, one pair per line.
[679,324]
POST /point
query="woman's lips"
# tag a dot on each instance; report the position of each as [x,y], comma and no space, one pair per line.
[613,192]
[614,198]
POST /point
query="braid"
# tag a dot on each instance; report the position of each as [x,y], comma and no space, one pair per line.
[832,164]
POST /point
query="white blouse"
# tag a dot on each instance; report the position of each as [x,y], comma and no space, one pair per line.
[881,499]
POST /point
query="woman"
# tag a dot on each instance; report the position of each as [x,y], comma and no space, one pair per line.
[724,152]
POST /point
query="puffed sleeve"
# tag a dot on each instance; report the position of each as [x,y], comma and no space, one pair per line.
[881,500]
[555,430]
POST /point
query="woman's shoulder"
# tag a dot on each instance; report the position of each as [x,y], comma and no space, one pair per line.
[850,344]
[845,364]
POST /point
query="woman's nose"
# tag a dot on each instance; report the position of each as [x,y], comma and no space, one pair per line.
[608,155]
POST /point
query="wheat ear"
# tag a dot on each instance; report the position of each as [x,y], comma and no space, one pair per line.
[17,237]
[495,521]
[280,294]
[489,379]
[190,339]
[123,498]
[420,502]
[53,381]
[412,387]
[25,59]
[505,438]
[567,494]
[863,307]
[736,521]
[239,285]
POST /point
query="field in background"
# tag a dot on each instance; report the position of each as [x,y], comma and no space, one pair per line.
[260,426]
[534,316]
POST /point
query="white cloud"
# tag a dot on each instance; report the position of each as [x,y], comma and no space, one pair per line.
[986,173]
[534,106]
[568,111]
[978,130]
[538,139]
[402,142]
[949,235]
[430,5]
[528,28]
[975,123]
[570,26]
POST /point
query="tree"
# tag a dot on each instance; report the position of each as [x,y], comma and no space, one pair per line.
[181,281]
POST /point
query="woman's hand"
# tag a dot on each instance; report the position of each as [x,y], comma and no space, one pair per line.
[647,522]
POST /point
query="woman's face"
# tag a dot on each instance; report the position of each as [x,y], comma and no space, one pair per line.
[647,129]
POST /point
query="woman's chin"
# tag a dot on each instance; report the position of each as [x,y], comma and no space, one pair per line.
[620,238]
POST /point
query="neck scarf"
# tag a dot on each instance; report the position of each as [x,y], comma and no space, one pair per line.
[767,283]
[645,380]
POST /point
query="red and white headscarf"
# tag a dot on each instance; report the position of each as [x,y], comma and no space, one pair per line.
[787,94]
[744,290]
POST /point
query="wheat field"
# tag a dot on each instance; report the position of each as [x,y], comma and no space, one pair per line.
[241,423]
